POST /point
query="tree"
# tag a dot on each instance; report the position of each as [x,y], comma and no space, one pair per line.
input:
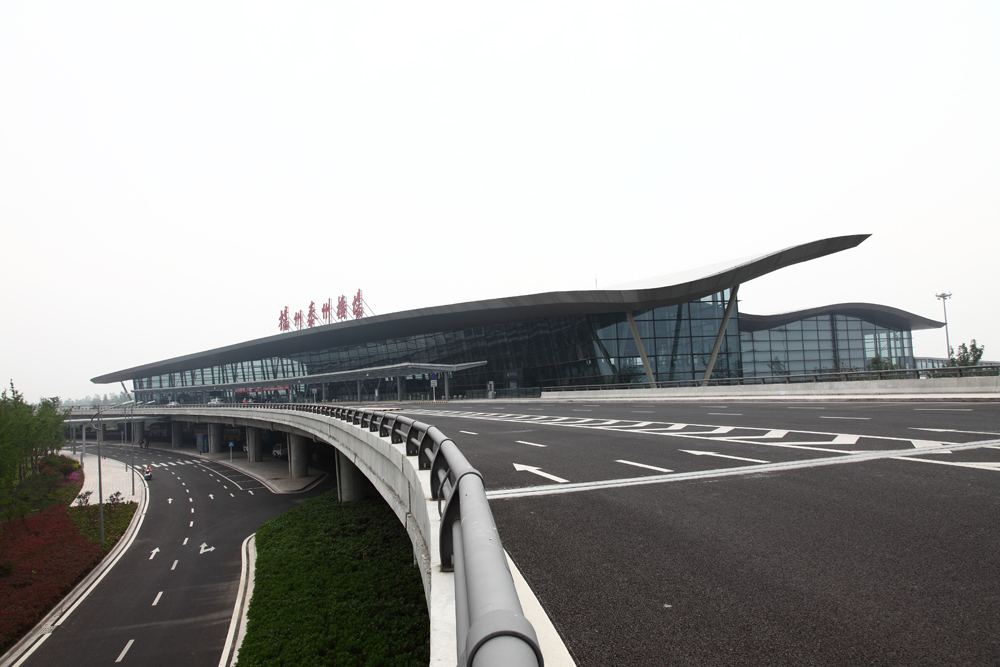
[967,356]
[877,363]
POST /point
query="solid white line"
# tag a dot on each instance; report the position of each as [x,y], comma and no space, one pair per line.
[172,567]
[533,444]
[125,650]
[468,433]
[826,417]
[158,596]
[727,414]
[803,408]
[643,465]
[942,409]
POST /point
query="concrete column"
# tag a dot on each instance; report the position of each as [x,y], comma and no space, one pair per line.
[359,391]
[446,396]
[215,444]
[254,455]
[83,439]
[400,381]
[323,385]
[351,482]
[721,335]
[175,434]
[139,430]
[298,456]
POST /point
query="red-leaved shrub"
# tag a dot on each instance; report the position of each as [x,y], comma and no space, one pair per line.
[46,557]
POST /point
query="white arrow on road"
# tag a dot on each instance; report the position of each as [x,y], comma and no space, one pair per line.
[722,456]
[204,548]
[170,500]
[538,471]
[211,496]
[155,551]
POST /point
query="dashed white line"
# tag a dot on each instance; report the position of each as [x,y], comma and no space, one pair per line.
[468,433]
[191,525]
[174,566]
[533,444]
[125,650]
[828,417]
[942,409]
[185,540]
[158,596]
[727,414]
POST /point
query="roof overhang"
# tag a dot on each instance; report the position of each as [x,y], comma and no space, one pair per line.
[883,316]
[496,311]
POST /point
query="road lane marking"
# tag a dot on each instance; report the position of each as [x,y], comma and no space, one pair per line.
[174,566]
[192,510]
[158,596]
[231,495]
[190,499]
[827,417]
[191,525]
[727,414]
[468,433]
[185,542]
[538,471]
[155,551]
[952,430]
[860,457]
[643,465]
[942,409]
[125,650]
[533,444]
[204,548]
[721,456]
[643,412]
[805,408]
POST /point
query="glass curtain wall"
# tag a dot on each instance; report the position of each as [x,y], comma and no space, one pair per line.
[824,343]
[586,349]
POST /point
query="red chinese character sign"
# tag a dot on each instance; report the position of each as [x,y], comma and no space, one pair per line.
[312,318]
[341,307]
[328,311]
[298,319]
[357,307]
[283,324]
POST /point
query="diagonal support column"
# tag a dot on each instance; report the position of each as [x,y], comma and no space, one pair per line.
[721,335]
[642,350]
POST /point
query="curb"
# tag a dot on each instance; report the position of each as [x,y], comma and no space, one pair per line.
[238,624]
[37,636]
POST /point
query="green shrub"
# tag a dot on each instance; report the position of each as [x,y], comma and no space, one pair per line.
[335,585]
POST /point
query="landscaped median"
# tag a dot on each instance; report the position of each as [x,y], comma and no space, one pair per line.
[335,584]
[50,547]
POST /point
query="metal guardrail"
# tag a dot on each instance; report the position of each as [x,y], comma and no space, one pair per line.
[828,376]
[490,624]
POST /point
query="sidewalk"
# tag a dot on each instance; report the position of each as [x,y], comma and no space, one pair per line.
[114,475]
[271,472]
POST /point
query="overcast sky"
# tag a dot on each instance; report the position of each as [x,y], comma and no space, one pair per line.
[173,174]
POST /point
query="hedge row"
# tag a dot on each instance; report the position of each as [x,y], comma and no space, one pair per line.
[335,584]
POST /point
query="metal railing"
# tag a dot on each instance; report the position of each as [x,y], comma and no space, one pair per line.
[820,376]
[490,625]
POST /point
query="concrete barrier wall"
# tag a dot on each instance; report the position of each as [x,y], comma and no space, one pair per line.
[961,386]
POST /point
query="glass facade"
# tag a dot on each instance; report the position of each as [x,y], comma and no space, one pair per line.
[823,343]
[585,349]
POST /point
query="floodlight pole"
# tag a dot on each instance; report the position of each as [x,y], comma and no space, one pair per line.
[944,296]
[100,485]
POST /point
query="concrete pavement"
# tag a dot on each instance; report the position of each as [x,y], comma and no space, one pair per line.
[115,476]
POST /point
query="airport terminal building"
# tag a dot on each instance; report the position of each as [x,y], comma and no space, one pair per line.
[677,329]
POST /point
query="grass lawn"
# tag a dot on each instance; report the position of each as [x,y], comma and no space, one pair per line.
[335,585]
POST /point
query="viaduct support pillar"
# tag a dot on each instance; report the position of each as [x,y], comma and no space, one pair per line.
[359,391]
[351,482]
[175,434]
[446,396]
[298,456]
[254,454]
[138,430]
[400,381]
[215,438]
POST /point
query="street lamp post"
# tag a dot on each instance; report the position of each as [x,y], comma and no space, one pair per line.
[100,485]
[944,296]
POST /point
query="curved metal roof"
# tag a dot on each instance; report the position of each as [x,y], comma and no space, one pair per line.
[495,311]
[883,316]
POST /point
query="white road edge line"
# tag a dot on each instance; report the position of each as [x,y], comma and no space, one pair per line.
[246,582]
[468,433]
[125,650]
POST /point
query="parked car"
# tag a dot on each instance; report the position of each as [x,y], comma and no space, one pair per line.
[215,401]
[173,404]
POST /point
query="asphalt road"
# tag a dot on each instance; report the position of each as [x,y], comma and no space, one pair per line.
[725,533]
[172,593]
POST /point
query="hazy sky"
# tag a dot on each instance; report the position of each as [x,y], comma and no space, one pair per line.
[173,174]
